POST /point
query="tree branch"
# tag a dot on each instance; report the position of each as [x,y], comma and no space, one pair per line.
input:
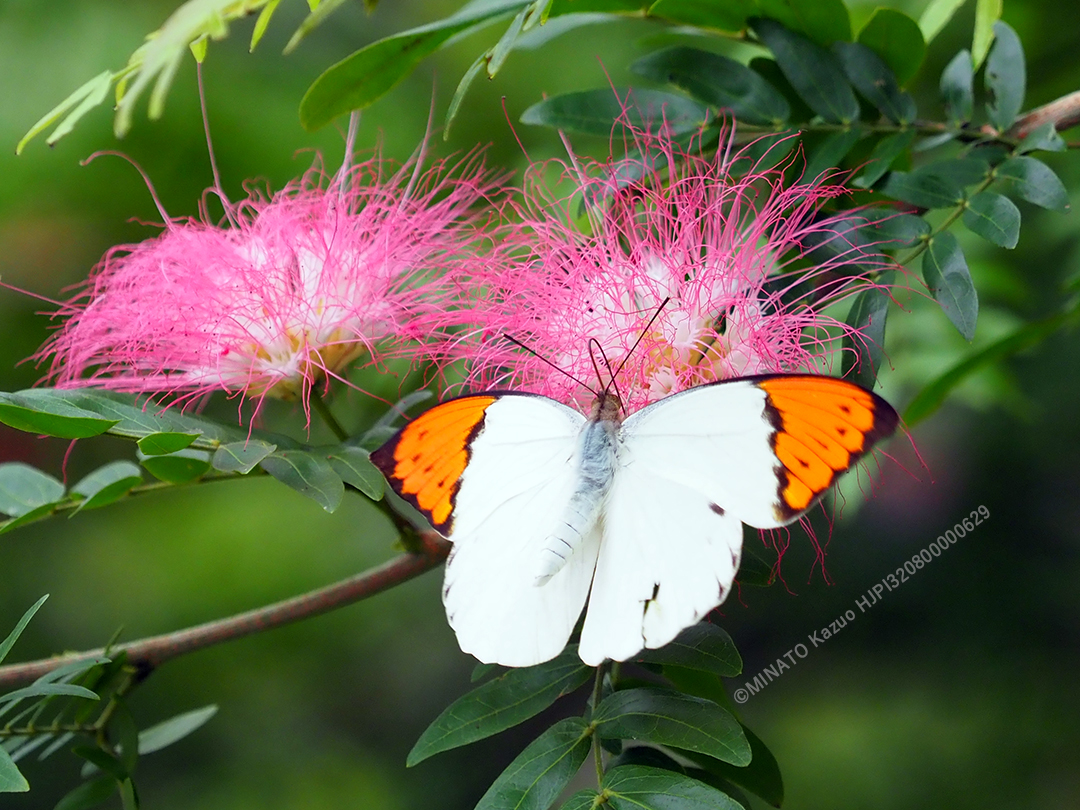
[1063,112]
[147,653]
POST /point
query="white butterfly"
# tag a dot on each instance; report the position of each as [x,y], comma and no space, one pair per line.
[641,517]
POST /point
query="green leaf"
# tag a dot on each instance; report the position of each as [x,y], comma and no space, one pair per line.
[319,12]
[501,703]
[365,76]
[1005,77]
[80,98]
[994,218]
[923,189]
[129,799]
[873,78]
[29,517]
[646,756]
[600,112]
[459,93]
[161,444]
[261,23]
[241,457]
[534,780]
[761,777]
[506,42]
[353,465]
[637,787]
[964,171]
[107,484]
[987,12]
[102,760]
[134,417]
[34,412]
[764,153]
[936,15]
[89,794]
[702,646]
[24,489]
[13,636]
[863,356]
[930,398]
[823,21]
[481,671]
[729,15]
[11,780]
[1035,182]
[886,151]
[811,70]
[718,81]
[179,467]
[582,800]
[174,729]
[307,473]
[39,689]
[828,154]
[755,570]
[671,718]
[1044,137]
[957,89]
[844,236]
[896,38]
[946,274]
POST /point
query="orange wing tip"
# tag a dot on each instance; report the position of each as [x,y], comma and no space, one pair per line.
[424,461]
[823,425]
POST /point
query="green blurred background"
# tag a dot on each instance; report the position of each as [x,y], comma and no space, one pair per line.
[958,690]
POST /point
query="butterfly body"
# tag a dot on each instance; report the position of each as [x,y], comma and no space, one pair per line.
[596,459]
[640,516]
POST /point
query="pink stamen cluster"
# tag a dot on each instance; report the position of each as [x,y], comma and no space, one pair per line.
[722,239]
[283,293]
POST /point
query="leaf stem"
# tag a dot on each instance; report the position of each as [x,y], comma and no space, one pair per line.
[318,404]
[148,653]
[598,752]
[949,220]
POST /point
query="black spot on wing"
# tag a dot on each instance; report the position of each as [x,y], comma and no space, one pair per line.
[717,509]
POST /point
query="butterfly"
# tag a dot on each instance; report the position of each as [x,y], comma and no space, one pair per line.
[639,517]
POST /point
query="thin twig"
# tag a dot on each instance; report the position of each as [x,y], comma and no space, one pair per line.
[148,653]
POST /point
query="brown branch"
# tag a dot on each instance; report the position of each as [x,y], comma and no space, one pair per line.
[1063,112]
[147,653]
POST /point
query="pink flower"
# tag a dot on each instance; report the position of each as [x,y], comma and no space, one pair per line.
[724,241]
[280,296]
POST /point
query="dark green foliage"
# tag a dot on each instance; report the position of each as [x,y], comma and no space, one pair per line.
[715,80]
[863,356]
[536,778]
[502,703]
[309,474]
[946,274]
[595,112]
[812,71]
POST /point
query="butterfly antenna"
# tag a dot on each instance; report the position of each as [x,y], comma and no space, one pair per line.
[641,337]
[517,342]
[594,348]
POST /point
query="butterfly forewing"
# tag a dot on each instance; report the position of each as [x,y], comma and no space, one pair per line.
[519,477]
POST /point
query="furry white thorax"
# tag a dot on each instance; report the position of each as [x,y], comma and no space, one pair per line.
[597,455]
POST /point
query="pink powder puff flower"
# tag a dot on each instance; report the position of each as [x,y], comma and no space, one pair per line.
[719,238]
[280,296]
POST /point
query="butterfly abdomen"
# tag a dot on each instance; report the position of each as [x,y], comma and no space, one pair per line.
[597,456]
